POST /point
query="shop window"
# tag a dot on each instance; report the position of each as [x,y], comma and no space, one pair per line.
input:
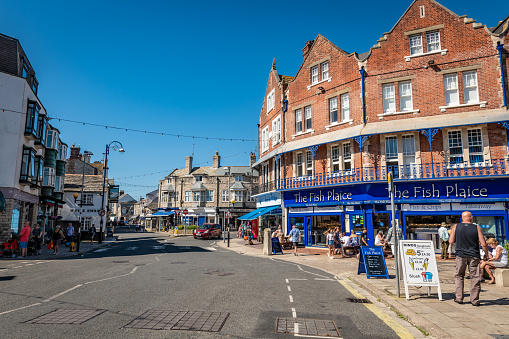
[300,165]
[347,156]
[32,118]
[210,196]
[455,147]
[345,107]
[309,163]
[333,110]
[187,196]
[335,159]
[475,149]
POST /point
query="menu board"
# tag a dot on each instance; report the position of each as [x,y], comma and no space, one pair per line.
[417,257]
[372,262]
[276,246]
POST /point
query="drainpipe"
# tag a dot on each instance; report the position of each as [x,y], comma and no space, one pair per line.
[500,48]
[363,72]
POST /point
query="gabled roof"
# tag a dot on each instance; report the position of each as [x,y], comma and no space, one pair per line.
[93,183]
[126,198]
[238,186]
[199,186]
[501,28]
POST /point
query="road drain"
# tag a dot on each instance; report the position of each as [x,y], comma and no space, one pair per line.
[358,301]
[180,320]
[63,316]
[316,327]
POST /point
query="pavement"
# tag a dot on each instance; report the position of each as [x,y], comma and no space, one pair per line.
[438,319]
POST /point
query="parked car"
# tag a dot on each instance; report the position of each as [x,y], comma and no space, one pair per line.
[207,231]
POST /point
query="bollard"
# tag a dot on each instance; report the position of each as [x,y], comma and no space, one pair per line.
[228,236]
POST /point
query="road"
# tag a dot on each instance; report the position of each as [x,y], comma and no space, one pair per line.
[143,272]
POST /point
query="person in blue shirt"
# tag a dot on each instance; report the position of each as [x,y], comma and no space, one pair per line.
[294,237]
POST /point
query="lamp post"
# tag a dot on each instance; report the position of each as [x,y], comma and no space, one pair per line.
[75,195]
[117,146]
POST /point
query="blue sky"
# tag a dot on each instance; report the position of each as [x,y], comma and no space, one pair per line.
[196,68]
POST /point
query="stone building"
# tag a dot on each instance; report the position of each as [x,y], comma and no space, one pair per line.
[428,102]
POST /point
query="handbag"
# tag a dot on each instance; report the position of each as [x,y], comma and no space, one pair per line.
[50,245]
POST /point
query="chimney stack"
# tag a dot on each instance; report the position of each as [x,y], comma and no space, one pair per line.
[216,160]
[86,158]
[75,152]
[306,48]
[252,159]
[189,165]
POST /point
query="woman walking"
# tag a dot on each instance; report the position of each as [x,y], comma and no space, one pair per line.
[37,233]
[57,235]
[330,243]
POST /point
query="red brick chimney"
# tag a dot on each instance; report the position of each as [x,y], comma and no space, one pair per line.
[75,152]
[306,48]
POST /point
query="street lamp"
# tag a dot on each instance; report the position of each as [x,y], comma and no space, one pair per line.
[116,146]
[75,195]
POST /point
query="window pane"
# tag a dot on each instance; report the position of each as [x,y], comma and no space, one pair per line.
[433,41]
[451,89]
[333,109]
[391,147]
[309,163]
[347,157]
[388,98]
[415,44]
[408,145]
[298,121]
[455,147]
[314,75]
[470,87]
[345,107]
[325,70]
[307,111]
[475,147]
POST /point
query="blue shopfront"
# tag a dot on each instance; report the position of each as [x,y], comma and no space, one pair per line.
[421,208]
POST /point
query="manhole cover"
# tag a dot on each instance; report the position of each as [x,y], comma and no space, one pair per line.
[120,261]
[180,320]
[62,316]
[323,328]
[178,262]
[358,301]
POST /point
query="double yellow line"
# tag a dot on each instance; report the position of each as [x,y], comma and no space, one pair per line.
[395,326]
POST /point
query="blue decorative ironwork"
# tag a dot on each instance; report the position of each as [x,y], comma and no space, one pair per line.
[360,140]
[430,134]
[505,124]
[277,157]
[313,150]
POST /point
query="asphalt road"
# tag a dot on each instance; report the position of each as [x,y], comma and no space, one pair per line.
[143,272]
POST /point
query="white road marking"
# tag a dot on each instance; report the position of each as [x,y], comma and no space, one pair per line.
[296,328]
[291,298]
[29,264]
[289,289]
[165,240]
[287,281]
[211,248]
[300,268]
[324,279]
[62,293]
[17,266]
[295,279]
[294,313]
[311,336]
[20,308]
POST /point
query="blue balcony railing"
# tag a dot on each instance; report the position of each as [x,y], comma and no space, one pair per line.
[497,167]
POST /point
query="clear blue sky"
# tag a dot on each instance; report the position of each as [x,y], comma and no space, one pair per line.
[190,67]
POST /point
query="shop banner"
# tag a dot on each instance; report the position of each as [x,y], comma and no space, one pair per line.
[417,257]
[405,192]
[478,207]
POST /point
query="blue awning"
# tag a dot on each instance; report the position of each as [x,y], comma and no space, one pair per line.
[162,213]
[261,211]
[250,215]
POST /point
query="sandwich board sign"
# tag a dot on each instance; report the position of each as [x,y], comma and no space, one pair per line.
[372,262]
[419,265]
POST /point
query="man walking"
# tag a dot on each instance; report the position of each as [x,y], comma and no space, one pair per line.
[468,237]
[70,236]
[444,240]
[391,238]
[23,238]
[294,236]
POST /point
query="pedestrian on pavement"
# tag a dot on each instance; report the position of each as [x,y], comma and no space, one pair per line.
[294,237]
[354,239]
[391,239]
[443,234]
[70,233]
[468,236]
[37,234]
[330,242]
[57,235]
[499,259]
[92,233]
[364,237]
[23,238]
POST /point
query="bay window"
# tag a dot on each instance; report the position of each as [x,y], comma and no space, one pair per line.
[32,118]
[27,165]
[198,196]
[48,177]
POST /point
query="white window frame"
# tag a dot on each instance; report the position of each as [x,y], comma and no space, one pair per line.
[238,196]
[298,121]
[477,143]
[86,223]
[345,107]
[249,196]
[324,67]
[314,75]
[469,86]
[415,43]
[271,100]
[276,131]
[347,156]
[334,156]
[209,196]
[299,165]
[405,96]
[392,155]
[431,35]
[451,89]
[224,196]
[49,175]
[389,98]
[308,116]
[309,163]
[455,145]
[198,196]
[265,139]
[188,196]
[333,110]
[88,198]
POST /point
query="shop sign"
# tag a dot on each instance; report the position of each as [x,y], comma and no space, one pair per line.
[301,210]
[417,257]
[426,207]
[329,209]
[478,207]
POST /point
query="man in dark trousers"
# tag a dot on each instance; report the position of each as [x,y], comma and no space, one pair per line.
[468,237]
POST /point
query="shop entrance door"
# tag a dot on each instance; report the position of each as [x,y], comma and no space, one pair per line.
[309,227]
[356,222]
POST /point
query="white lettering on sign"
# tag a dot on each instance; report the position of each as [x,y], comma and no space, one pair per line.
[332,195]
[478,207]
[451,191]
[430,207]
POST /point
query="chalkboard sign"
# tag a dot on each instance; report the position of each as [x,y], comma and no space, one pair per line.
[276,246]
[372,262]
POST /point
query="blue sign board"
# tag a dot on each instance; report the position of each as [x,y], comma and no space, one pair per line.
[372,262]
[405,192]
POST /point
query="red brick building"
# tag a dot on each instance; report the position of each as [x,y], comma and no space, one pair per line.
[428,102]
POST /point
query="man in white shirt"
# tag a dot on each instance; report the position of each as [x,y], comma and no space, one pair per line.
[443,233]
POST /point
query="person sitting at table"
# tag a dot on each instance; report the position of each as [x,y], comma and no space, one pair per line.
[499,259]
[345,240]
[354,239]
[380,239]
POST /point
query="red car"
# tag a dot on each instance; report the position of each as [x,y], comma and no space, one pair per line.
[207,231]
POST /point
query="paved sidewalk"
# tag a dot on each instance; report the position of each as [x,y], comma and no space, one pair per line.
[441,319]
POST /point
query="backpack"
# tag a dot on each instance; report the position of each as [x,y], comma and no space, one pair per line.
[445,236]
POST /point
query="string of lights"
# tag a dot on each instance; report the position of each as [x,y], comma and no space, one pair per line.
[84,123]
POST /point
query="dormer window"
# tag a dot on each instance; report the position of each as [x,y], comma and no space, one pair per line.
[198,178]
[238,178]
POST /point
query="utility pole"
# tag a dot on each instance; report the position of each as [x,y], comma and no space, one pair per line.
[390,180]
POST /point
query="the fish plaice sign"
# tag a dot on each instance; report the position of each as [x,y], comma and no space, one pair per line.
[419,264]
